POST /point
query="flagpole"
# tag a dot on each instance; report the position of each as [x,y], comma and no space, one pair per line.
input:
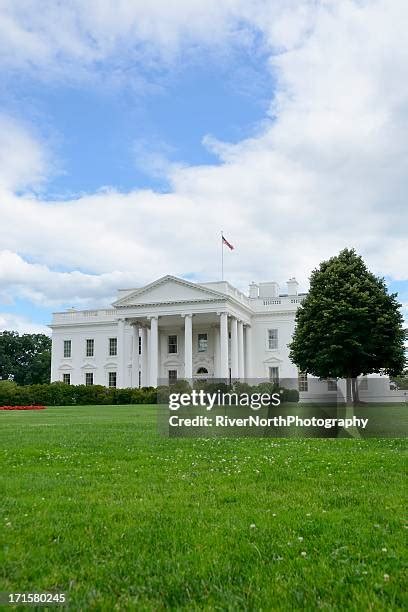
[222,257]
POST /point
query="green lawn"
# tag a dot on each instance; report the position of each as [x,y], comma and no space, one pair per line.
[96,504]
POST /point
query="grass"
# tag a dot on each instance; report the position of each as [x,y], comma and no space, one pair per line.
[96,504]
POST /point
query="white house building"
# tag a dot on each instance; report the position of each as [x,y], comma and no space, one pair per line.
[173,328]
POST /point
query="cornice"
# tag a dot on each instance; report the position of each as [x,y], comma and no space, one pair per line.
[172,302]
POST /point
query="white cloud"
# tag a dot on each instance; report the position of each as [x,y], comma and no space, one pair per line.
[327,170]
[153,157]
[22,325]
[23,160]
[46,287]
[52,38]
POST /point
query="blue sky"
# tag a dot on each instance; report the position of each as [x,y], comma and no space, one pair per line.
[130,137]
[100,134]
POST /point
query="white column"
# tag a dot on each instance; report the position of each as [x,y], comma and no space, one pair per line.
[241,374]
[216,340]
[153,350]
[144,367]
[135,355]
[248,352]
[188,346]
[121,356]
[163,348]
[224,345]
[148,357]
[234,348]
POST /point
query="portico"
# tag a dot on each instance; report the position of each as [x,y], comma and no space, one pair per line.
[185,345]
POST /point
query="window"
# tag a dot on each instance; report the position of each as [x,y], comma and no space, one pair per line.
[332,384]
[202,343]
[202,371]
[172,343]
[113,347]
[67,348]
[272,339]
[172,377]
[363,386]
[140,378]
[112,379]
[274,374]
[140,345]
[66,378]
[88,378]
[90,347]
[302,381]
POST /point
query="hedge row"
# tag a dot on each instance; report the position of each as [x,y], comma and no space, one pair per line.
[60,394]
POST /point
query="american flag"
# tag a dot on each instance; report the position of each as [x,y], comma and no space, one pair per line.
[228,244]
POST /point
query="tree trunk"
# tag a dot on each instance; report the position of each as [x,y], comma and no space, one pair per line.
[356,397]
[352,400]
[349,398]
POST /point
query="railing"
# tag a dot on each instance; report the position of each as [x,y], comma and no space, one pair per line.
[78,316]
[238,295]
[281,300]
[83,315]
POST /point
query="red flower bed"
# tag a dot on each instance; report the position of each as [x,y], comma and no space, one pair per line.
[22,407]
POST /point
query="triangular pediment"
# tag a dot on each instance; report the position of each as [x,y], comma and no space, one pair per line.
[88,366]
[66,366]
[111,365]
[273,360]
[167,290]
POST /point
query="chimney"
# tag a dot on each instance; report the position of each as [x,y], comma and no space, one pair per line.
[269,289]
[253,290]
[292,286]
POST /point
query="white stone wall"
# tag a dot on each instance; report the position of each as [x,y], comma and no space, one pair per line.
[102,363]
[372,389]
[263,357]
[78,364]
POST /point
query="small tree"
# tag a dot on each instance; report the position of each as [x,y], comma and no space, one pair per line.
[349,324]
[25,358]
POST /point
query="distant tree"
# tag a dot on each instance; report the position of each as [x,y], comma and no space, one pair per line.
[348,325]
[401,382]
[26,359]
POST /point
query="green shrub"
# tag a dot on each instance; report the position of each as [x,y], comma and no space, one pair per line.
[61,394]
[145,395]
[8,389]
[401,382]
[290,395]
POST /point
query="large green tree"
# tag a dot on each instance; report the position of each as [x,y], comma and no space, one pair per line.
[25,358]
[349,324]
